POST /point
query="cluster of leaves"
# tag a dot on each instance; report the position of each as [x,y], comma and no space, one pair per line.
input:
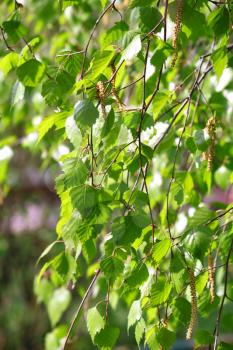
[128,130]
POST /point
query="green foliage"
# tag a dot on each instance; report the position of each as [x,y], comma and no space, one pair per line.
[107,337]
[57,304]
[95,322]
[31,72]
[121,108]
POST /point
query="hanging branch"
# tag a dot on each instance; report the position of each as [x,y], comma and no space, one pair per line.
[219,316]
[109,7]
[80,308]
[143,111]
[178,146]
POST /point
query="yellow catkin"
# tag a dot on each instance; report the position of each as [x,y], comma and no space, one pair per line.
[211,272]
[100,94]
[177,28]
[211,129]
[114,92]
[193,319]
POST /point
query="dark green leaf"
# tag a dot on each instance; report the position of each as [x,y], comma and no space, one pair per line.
[31,72]
[85,113]
[107,337]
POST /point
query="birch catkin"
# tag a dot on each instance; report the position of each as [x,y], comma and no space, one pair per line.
[193,319]
[100,95]
[177,28]
[211,129]
[211,273]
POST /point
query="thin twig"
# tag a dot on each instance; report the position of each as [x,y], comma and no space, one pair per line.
[219,216]
[165,21]
[140,142]
[80,308]
[111,5]
[178,146]
[5,41]
[218,320]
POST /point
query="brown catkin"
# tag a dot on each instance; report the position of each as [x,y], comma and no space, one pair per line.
[177,28]
[211,273]
[114,92]
[100,94]
[211,129]
[193,319]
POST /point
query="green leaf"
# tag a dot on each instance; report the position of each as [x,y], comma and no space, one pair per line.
[201,216]
[220,60]
[9,62]
[127,228]
[203,337]
[85,113]
[54,339]
[190,144]
[138,276]
[147,151]
[56,119]
[71,62]
[57,305]
[230,7]
[201,282]
[75,174]
[224,346]
[166,338]
[66,3]
[198,241]
[89,250]
[193,25]
[132,49]
[104,3]
[17,93]
[222,177]
[64,265]
[182,311]
[26,53]
[112,267]
[99,64]
[201,140]
[115,33]
[160,250]
[15,30]
[46,251]
[160,292]
[218,20]
[95,322]
[108,124]
[64,80]
[148,18]
[31,72]
[43,290]
[107,337]
[73,133]
[51,92]
[84,198]
[151,339]
[140,3]
[139,331]
[76,231]
[177,267]
[162,52]
[135,313]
